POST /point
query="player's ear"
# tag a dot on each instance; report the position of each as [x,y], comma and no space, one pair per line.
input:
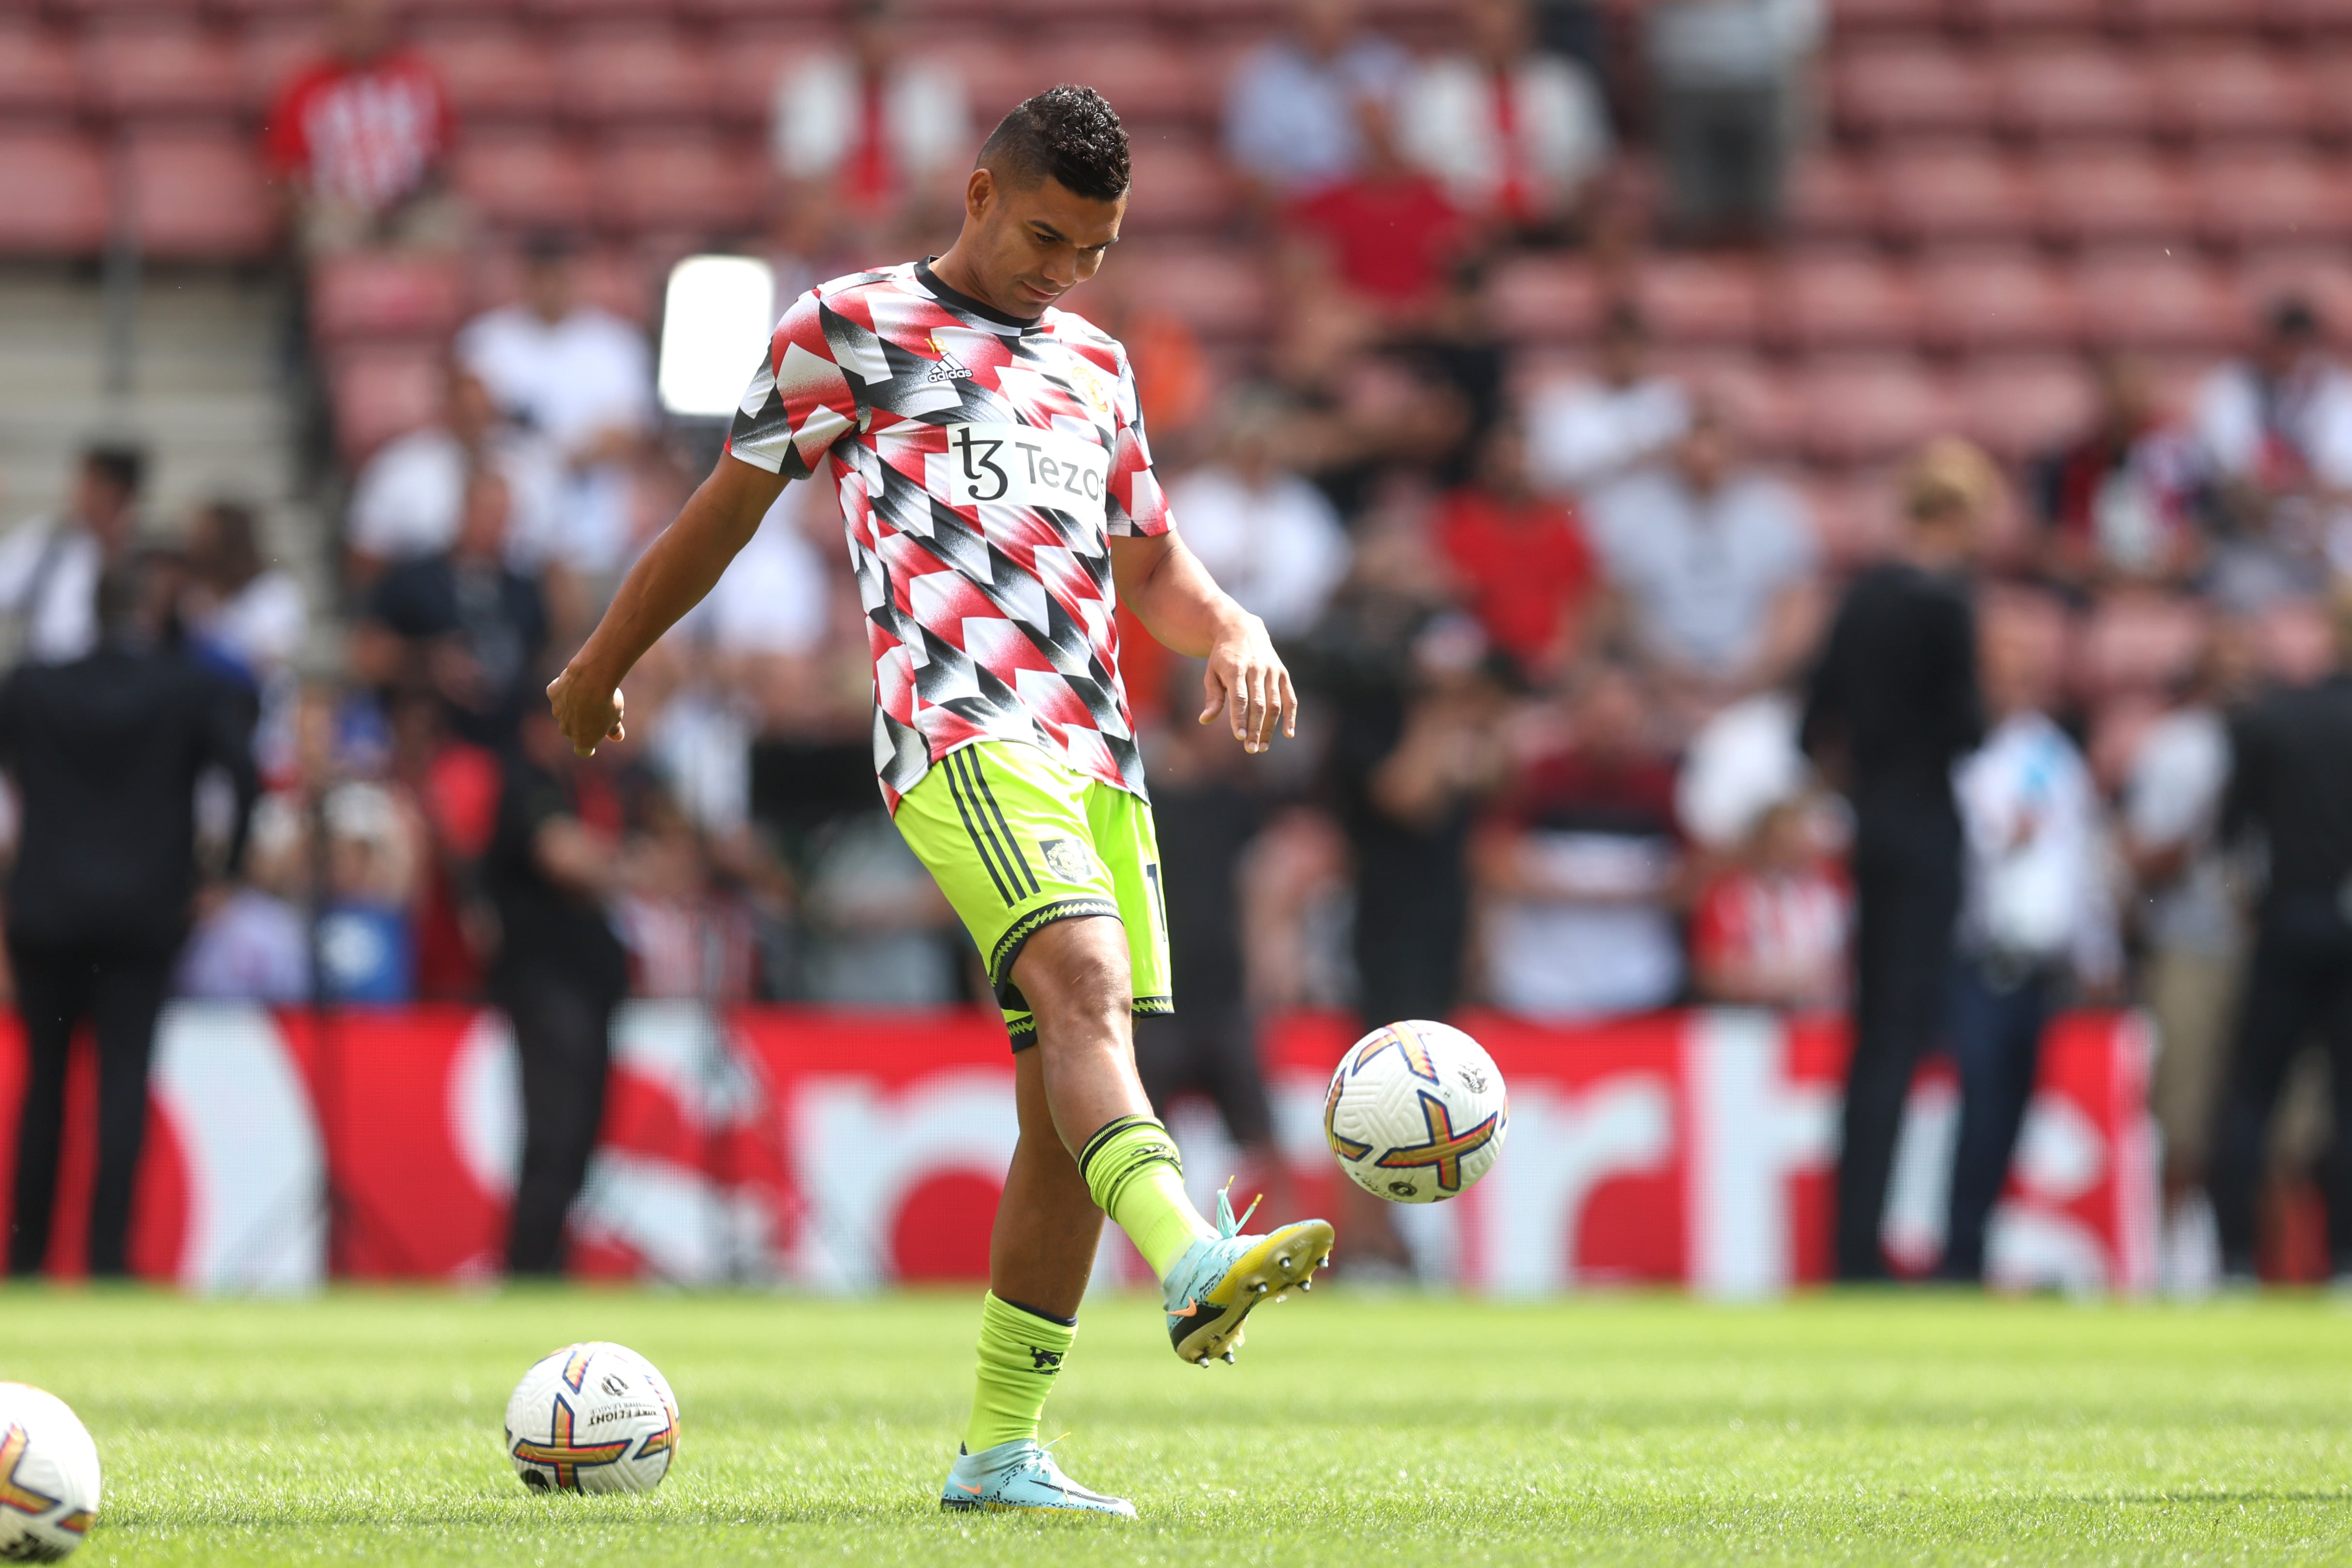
[978,191]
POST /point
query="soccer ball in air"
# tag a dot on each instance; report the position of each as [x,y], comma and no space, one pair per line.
[1416,1113]
[49,1476]
[593,1417]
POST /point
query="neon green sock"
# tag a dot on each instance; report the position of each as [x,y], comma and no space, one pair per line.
[1131,1166]
[1021,1352]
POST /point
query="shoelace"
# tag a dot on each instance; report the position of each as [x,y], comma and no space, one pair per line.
[1227,1226]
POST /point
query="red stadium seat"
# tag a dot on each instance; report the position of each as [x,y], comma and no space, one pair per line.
[1255,17]
[525,181]
[1898,86]
[1702,300]
[2100,195]
[1866,409]
[677,183]
[997,78]
[1221,293]
[275,13]
[269,56]
[2316,276]
[493,72]
[1854,16]
[1832,196]
[2217,16]
[1937,195]
[2018,405]
[2005,299]
[2253,195]
[384,390]
[617,278]
[2314,19]
[1179,185]
[750,65]
[1844,302]
[1856,514]
[804,16]
[2148,300]
[2331,78]
[54,194]
[1151,81]
[1757,404]
[560,12]
[199,197]
[2060,89]
[369,294]
[40,73]
[1544,299]
[2006,18]
[2138,642]
[2214,93]
[138,72]
[635,75]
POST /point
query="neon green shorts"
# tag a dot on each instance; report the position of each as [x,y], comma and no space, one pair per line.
[1017,840]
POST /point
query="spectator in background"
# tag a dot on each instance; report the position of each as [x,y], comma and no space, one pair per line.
[1524,567]
[875,141]
[1892,707]
[1729,79]
[408,498]
[1583,435]
[1583,867]
[2277,429]
[554,865]
[1713,567]
[105,752]
[1390,235]
[1207,811]
[2191,940]
[1269,537]
[1769,929]
[362,139]
[463,625]
[1516,134]
[246,614]
[2291,754]
[2122,501]
[49,567]
[1292,121]
[2034,911]
[582,379]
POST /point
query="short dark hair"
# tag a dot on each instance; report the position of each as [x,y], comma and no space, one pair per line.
[1069,132]
[124,467]
[2292,317]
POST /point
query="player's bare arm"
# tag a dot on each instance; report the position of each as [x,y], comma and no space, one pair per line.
[677,569]
[1179,603]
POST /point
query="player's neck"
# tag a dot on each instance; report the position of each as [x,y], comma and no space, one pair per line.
[960,276]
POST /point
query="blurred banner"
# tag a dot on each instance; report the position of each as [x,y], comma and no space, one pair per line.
[845,1152]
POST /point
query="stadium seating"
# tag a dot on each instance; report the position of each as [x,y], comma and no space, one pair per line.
[635,75]
[2057,91]
[40,73]
[2021,404]
[380,391]
[197,197]
[146,73]
[1933,195]
[54,194]
[1537,299]
[1973,302]
[369,295]
[524,180]
[494,73]
[1702,300]
[1869,408]
[690,185]
[1845,300]
[2152,299]
[1911,85]
[2213,94]
[2103,194]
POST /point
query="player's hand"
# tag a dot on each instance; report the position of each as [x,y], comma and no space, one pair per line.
[587,711]
[1247,680]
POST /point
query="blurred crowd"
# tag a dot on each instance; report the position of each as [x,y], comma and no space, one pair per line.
[1553,631]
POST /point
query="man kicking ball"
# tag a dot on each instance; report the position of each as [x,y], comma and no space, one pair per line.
[1000,503]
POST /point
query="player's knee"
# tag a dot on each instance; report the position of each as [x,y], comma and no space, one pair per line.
[1076,969]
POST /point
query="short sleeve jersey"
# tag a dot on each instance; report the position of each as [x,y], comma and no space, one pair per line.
[984,463]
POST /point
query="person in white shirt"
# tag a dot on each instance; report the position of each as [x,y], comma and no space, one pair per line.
[1713,570]
[2035,910]
[582,379]
[1267,534]
[875,139]
[1292,126]
[408,498]
[50,567]
[2276,426]
[1584,435]
[1515,134]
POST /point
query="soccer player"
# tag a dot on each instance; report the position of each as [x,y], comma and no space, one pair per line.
[1000,501]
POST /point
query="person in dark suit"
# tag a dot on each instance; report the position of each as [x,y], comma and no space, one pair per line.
[2290,785]
[105,752]
[1893,704]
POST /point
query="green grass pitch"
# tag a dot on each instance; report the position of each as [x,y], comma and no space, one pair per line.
[1364,1430]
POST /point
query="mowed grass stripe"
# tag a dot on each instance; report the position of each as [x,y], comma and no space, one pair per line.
[365,1427]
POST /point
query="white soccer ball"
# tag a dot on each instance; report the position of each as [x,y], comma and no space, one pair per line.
[49,1476]
[593,1417]
[1416,1113]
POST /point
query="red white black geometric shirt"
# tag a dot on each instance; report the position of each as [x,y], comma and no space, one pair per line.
[983,464]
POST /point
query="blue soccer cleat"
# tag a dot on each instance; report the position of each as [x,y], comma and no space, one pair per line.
[1021,1477]
[1220,1277]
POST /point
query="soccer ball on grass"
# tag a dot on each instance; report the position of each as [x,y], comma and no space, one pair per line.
[593,1417]
[1416,1113]
[49,1476]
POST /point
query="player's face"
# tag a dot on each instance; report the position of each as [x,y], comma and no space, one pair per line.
[1038,244]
